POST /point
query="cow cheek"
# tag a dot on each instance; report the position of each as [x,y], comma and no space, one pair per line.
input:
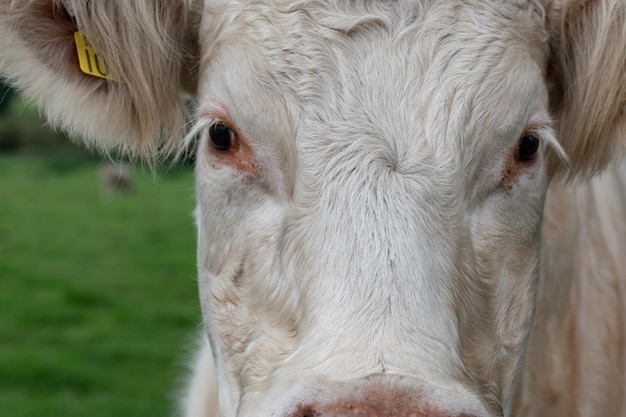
[235,289]
[505,244]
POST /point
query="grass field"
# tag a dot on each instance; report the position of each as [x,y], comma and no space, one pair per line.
[98,303]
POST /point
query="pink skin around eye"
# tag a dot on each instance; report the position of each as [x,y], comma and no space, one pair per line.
[513,167]
[240,155]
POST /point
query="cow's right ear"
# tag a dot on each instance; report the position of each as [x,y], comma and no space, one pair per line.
[588,74]
[146,48]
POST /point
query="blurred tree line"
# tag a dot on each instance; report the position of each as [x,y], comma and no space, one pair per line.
[21,125]
[6,93]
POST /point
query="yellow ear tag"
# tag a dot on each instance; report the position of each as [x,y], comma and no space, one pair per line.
[90,61]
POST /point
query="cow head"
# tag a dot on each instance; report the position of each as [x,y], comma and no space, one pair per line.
[370,175]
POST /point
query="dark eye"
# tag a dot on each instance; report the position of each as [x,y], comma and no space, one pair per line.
[527,147]
[221,137]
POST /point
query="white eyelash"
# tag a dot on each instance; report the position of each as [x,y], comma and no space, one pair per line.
[201,124]
[548,135]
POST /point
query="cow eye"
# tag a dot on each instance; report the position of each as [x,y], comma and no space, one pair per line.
[527,147]
[221,137]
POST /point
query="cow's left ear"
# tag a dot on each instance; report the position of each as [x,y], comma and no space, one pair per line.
[588,69]
[58,51]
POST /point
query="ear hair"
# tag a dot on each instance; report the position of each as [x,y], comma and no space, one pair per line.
[149,46]
[588,66]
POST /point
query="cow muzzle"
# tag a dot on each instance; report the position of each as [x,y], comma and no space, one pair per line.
[379,398]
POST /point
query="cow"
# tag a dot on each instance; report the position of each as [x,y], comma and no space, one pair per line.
[115,177]
[405,208]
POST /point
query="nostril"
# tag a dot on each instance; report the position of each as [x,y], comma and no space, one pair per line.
[306,411]
[328,411]
[348,409]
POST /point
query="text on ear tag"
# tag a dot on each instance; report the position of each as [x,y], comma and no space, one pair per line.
[90,61]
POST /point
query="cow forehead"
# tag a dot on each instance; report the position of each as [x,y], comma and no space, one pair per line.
[435,69]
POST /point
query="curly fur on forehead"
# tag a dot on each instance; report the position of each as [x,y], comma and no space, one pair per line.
[334,63]
[301,40]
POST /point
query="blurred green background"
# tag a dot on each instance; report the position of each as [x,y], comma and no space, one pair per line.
[98,300]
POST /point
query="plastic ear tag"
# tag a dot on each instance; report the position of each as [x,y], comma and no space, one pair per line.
[90,61]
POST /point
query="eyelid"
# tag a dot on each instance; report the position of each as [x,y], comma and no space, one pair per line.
[217,112]
[546,134]
[213,113]
[542,125]
[240,156]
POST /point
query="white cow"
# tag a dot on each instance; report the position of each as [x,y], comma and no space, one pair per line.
[405,208]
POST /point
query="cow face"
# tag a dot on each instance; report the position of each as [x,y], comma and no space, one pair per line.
[370,185]
[370,175]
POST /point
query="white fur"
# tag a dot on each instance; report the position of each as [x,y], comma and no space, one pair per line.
[372,237]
